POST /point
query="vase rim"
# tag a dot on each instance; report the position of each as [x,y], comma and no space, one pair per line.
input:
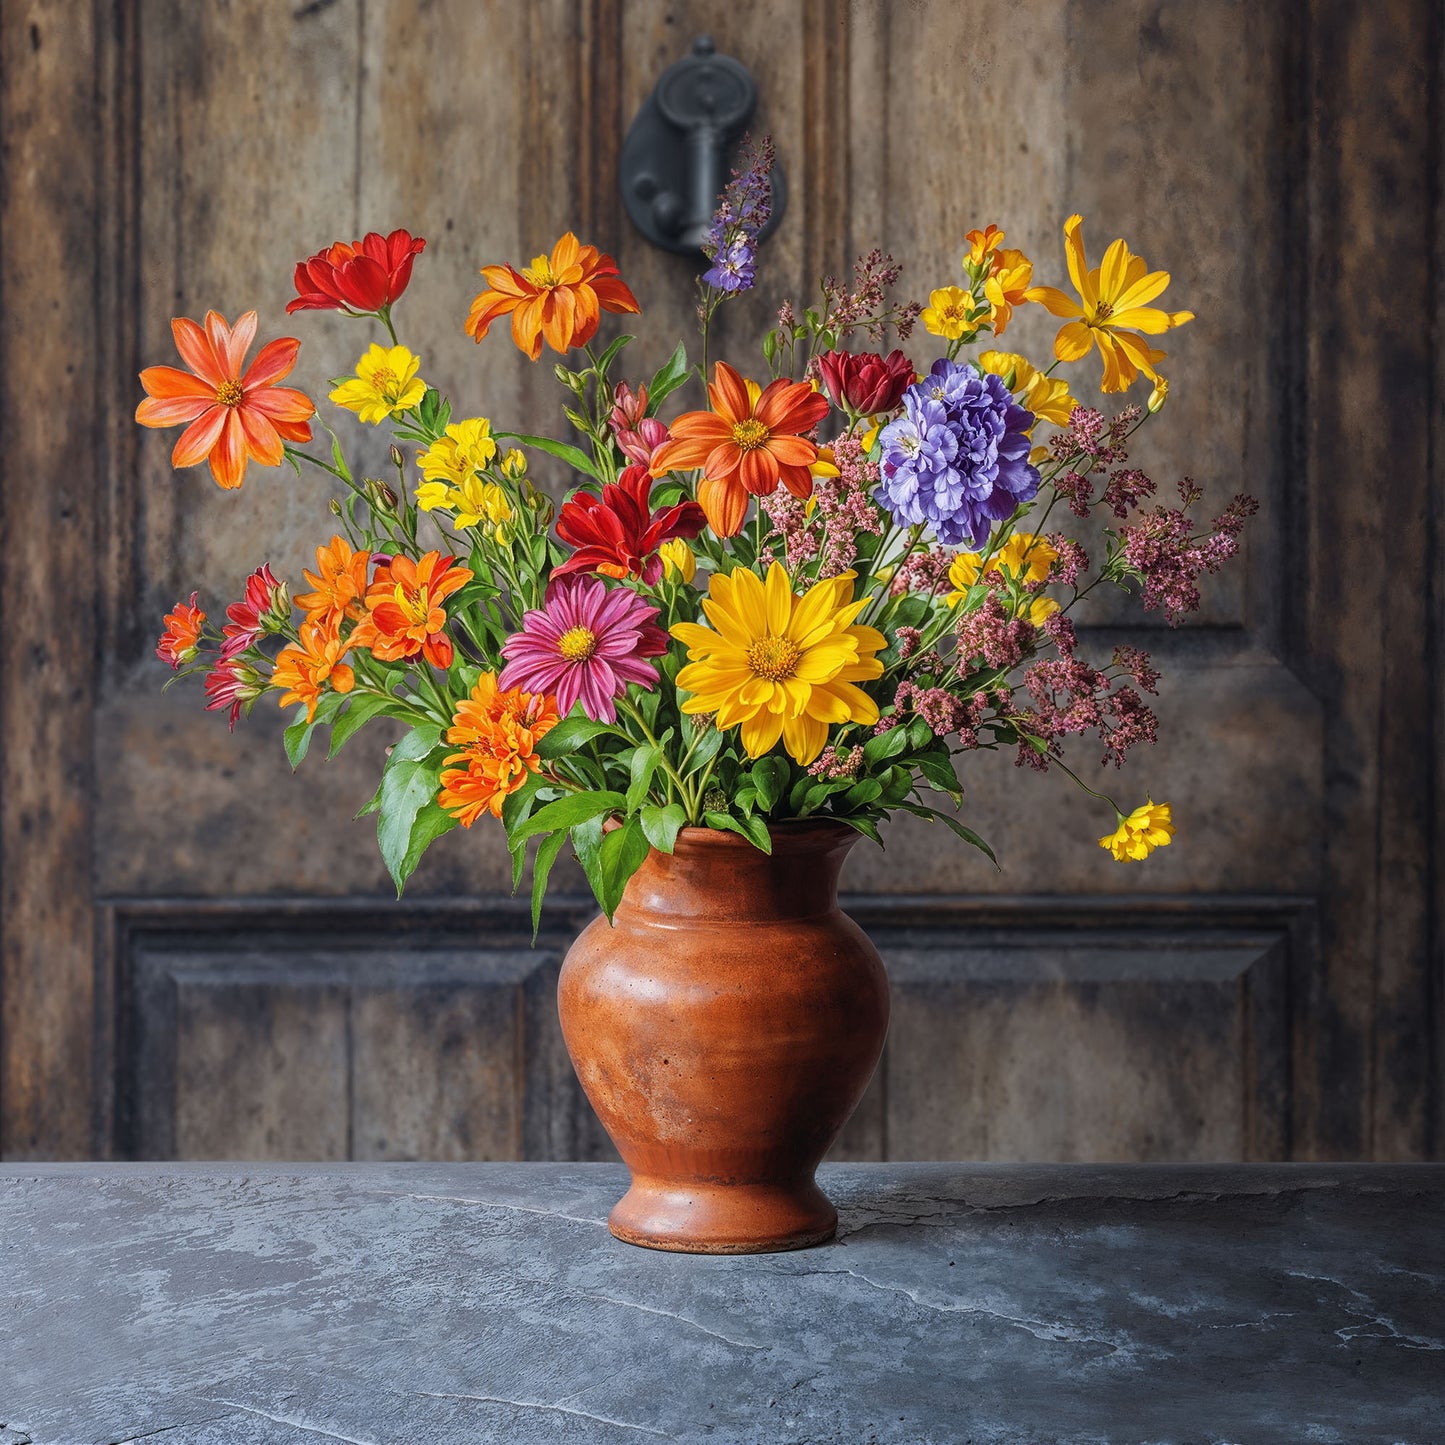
[795,832]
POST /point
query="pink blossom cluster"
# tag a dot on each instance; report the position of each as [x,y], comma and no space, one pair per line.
[866,306]
[834,763]
[925,572]
[1163,550]
[992,633]
[1088,445]
[1072,561]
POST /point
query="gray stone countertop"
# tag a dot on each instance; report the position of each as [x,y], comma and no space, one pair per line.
[432,1304]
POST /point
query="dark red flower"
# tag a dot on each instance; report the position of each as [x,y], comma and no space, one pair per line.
[618,533]
[866,384]
[364,275]
[265,601]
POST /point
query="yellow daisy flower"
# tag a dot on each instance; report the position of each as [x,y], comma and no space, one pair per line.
[1025,557]
[476,502]
[1137,836]
[779,665]
[385,385]
[464,449]
[952,311]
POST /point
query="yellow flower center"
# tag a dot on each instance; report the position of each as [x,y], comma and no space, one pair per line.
[229,393]
[1103,311]
[415,606]
[577,644]
[540,273]
[775,658]
[384,379]
[749,434]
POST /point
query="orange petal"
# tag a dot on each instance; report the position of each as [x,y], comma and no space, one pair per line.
[228,456]
[262,439]
[195,443]
[243,333]
[196,351]
[486,307]
[730,394]
[759,472]
[172,410]
[281,403]
[274,361]
[725,505]
[167,382]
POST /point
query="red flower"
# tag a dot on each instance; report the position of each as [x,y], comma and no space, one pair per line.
[366,275]
[265,599]
[618,533]
[234,684]
[181,640]
[866,384]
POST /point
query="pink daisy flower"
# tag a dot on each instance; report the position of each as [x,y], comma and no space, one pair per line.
[585,642]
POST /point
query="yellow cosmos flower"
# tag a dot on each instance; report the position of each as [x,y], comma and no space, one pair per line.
[780,665]
[1046,396]
[1007,286]
[465,449]
[385,385]
[952,311]
[678,560]
[1114,296]
[1138,835]
[476,502]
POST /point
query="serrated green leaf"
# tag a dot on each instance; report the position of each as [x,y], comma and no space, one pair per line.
[547,852]
[569,811]
[644,763]
[660,826]
[364,706]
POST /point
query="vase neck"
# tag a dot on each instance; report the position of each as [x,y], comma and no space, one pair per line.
[714,875]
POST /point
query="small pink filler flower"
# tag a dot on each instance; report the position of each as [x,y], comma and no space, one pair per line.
[585,642]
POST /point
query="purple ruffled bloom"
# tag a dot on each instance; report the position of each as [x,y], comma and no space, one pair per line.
[586,641]
[957,460]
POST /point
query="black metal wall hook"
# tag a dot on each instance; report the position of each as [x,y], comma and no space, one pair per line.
[675,160]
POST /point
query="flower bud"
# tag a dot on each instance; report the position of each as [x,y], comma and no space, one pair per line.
[678,560]
[335,507]
[397,460]
[1159,395]
[380,496]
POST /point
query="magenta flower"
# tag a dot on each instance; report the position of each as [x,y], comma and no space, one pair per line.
[585,642]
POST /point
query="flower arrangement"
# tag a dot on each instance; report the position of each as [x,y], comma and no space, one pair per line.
[810,599]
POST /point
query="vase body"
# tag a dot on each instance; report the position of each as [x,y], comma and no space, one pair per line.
[724,1029]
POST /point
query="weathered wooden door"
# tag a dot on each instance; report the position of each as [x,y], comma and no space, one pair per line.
[201,957]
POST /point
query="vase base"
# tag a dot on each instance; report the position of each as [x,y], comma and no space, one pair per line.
[723,1218]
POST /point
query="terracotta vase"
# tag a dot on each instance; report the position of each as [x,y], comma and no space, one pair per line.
[724,1030]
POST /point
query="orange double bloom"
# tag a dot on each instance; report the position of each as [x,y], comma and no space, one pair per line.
[404,612]
[749,442]
[560,297]
[497,733]
[304,669]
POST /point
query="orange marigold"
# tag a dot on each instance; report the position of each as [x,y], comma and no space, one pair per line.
[404,614]
[181,640]
[303,670]
[497,733]
[560,297]
[340,583]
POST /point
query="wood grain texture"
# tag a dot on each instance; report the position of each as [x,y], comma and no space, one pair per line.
[53,442]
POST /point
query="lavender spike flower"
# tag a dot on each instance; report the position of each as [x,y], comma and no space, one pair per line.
[731,243]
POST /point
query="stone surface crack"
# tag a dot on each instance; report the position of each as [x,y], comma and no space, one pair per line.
[164,1429]
[1368,1317]
[544,1405]
[669,1315]
[294,1424]
[489,1204]
[1054,1334]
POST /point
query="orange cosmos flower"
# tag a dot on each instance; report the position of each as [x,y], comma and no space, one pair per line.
[181,640]
[749,442]
[498,733]
[233,415]
[341,585]
[305,669]
[560,297]
[404,609]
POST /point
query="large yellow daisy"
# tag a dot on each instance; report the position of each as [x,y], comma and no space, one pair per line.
[779,664]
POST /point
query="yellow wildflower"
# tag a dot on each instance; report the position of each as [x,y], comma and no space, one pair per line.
[780,665]
[677,559]
[1159,395]
[1025,557]
[476,502]
[1137,836]
[1112,297]
[981,246]
[1007,286]
[514,465]
[385,385]
[1046,396]
[952,311]
[465,449]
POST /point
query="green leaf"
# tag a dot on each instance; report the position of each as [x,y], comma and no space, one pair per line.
[569,811]
[919,734]
[430,824]
[866,826]
[885,745]
[619,856]
[938,773]
[770,777]
[968,835]
[564,451]
[364,707]
[409,782]
[705,751]
[753,829]
[587,843]
[667,378]
[610,355]
[551,845]
[661,826]
[644,763]
[297,737]
[569,735]
[863,792]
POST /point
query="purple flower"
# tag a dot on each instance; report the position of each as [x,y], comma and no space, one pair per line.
[957,460]
[731,243]
[585,642]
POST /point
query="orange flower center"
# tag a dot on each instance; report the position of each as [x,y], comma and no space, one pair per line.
[1103,311]
[577,644]
[749,434]
[775,658]
[229,393]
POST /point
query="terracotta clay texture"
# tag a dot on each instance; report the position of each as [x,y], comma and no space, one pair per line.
[724,1029]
